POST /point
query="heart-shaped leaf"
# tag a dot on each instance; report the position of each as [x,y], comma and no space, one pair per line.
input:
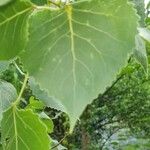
[76,52]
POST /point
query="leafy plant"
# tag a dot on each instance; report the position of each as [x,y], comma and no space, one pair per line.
[73,50]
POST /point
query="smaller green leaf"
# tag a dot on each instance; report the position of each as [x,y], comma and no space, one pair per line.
[43,96]
[127,70]
[8,95]
[140,52]
[35,105]
[23,130]
[38,106]
[47,121]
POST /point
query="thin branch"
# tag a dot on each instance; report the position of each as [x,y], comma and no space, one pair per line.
[108,138]
[20,71]
[109,89]
[116,81]
[59,142]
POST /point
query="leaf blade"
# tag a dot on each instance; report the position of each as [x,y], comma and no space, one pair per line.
[13,28]
[8,95]
[78,58]
[25,126]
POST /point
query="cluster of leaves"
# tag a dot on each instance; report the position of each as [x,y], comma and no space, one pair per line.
[65,48]
[11,82]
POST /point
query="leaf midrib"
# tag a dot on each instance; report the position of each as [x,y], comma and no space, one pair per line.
[15,127]
[69,15]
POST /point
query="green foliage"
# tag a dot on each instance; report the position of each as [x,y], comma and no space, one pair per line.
[73,50]
[140,52]
[12,75]
[81,74]
[39,2]
[119,115]
[13,21]
[20,127]
[8,95]
[43,96]
[47,121]
[35,105]
[3,66]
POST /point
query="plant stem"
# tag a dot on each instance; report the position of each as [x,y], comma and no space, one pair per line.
[20,71]
[22,89]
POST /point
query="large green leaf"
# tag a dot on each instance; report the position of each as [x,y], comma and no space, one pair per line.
[13,28]
[43,96]
[77,51]
[22,130]
[8,95]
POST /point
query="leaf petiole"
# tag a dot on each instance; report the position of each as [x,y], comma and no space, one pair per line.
[22,89]
[20,71]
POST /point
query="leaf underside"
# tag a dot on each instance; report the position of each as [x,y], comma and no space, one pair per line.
[4,66]
[77,51]
[8,95]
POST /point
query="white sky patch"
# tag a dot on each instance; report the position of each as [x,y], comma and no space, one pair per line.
[146,2]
